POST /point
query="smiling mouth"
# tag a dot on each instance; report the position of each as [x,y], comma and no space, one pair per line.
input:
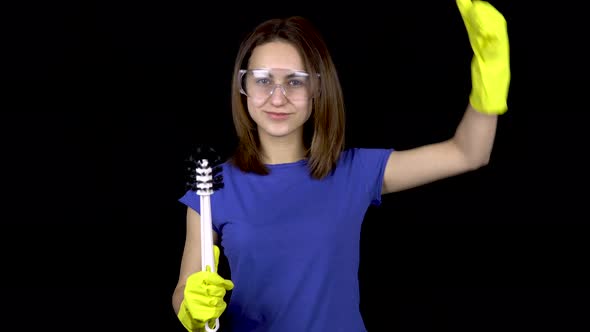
[278,116]
[277,113]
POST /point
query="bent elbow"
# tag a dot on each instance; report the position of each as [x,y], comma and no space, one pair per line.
[477,163]
[481,162]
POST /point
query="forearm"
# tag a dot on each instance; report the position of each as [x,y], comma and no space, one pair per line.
[490,77]
[177,298]
[475,136]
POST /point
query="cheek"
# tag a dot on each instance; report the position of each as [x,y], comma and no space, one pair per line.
[304,107]
[249,105]
[251,109]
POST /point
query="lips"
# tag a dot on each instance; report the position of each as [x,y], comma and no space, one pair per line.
[277,115]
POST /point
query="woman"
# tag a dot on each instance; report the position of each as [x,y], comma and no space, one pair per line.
[290,213]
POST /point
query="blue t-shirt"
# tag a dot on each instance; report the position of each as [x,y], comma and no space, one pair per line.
[292,242]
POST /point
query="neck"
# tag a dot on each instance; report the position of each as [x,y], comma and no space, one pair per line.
[282,150]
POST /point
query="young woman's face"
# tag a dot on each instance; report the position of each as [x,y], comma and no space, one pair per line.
[279,100]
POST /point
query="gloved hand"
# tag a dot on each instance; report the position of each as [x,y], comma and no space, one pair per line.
[490,66]
[203,297]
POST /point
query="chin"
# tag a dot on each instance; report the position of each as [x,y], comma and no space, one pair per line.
[278,131]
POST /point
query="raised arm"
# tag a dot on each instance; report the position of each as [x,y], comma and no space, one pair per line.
[472,143]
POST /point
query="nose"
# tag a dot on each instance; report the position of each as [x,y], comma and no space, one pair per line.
[278,98]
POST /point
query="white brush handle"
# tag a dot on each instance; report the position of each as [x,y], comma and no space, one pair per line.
[207,255]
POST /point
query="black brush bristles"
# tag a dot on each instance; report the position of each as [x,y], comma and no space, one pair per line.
[204,171]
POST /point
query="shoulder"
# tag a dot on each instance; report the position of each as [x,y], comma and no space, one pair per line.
[229,170]
[364,156]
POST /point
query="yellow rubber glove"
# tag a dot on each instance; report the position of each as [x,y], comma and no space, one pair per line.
[203,297]
[490,67]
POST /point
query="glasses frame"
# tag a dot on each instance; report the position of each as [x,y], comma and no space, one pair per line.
[242,72]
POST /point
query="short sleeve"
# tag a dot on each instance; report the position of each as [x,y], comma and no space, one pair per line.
[193,200]
[371,163]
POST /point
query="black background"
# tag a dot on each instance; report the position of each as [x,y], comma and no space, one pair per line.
[104,100]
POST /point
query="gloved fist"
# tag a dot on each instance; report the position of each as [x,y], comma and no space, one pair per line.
[490,67]
[203,297]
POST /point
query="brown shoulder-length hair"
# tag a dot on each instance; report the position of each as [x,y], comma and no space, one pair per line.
[324,131]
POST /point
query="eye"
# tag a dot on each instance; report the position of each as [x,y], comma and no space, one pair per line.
[295,83]
[263,81]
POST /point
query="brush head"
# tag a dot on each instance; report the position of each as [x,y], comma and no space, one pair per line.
[204,170]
